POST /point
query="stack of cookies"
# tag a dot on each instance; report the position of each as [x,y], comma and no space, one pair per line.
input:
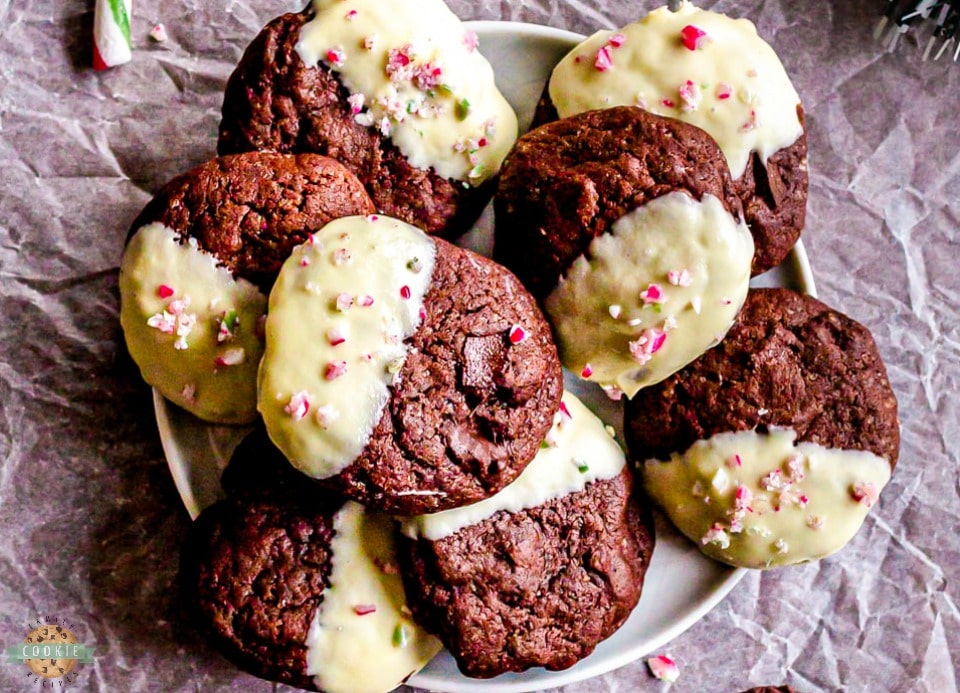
[416,476]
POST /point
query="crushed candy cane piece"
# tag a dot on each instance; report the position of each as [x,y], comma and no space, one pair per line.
[326,415]
[724,91]
[356,103]
[663,668]
[229,322]
[782,546]
[690,96]
[617,40]
[189,393]
[615,310]
[696,303]
[337,335]
[603,60]
[336,56]
[370,41]
[350,15]
[405,291]
[652,294]
[752,123]
[716,535]
[613,392]
[164,321]
[365,301]
[298,406]
[565,413]
[159,33]
[364,609]
[648,344]
[422,314]
[735,462]
[669,103]
[865,493]
[342,256]
[471,40]
[344,302]
[693,37]
[517,335]
[587,371]
[335,369]
[164,291]
[231,357]
[679,277]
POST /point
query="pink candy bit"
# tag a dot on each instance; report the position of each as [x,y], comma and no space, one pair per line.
[752,123]
[724,91]
[189,393]
[693,38]
[664,668]
[164,291]
[373,217]
[336,56]
[350,15]
[326,415]
[564,412]
[617,40]
[398,63]
[298,406]
[342,256]
[356,103]
[335,369]
[344,302]
[865,493]
[604,60]
[164,321]
[648,344]
[158,33]
[336,336]
[365,301]
[669,103]
[734,462]
[716,535]
[613,392]
[364,609]
[405,292]
[471,40]
[428,75]
[370,41]
[587,371]
[304,261]
[679,277]
[517,334]
[231,357]
[690,96]
[652,294]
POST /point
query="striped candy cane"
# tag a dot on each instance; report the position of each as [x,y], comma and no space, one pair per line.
[111,33]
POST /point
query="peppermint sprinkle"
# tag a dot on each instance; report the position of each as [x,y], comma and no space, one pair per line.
[164,321]
[613,392]
[815,522]
[342,256]
[649,343]
[668,103]
[364,609]
[373,217]
[587,371]
[517,335]
[782,546]
[664,668]
[690,96]
[734,462]
[695,303]
[603,60]
[344,302]
[231,357]
[164,291]
[365,301]
[422,314]
[617,40]
[369,42]
[298,406]
[336,56]
[304,261]
[158,33]
[350,15]
[679,277]
[716,535]
[669,323]
[652,294]
[693,38]
[405,292]
[614,310]
[865,493]
[752,123]
[724,91]
[471,40]
[565,413]
[356,103]
[335,369]
[189,393]
[336,335]
[229,322]
[326,415]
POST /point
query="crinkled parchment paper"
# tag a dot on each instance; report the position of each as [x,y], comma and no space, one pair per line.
[90,522]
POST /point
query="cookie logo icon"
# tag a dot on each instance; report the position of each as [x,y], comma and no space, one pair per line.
[52,653]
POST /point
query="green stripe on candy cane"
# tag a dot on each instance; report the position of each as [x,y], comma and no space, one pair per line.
[119,11]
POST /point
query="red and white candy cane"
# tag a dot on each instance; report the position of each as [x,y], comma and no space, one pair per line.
[111,33]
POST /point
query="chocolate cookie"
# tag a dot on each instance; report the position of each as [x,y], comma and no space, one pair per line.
[200,260]
[627,222]
[250,210]
[771,448]
[421,122]
[405,372]
[543,571]
[718,74]
[303,592]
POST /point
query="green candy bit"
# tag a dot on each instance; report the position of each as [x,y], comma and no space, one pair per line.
[582,467]
[462,109]
[544,445]
[445,89]
[399,638]
[230,320]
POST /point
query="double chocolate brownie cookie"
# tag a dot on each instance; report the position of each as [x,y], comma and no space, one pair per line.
[405,372]
[303,589]
[771,447]
[540,573]
[200,260]
[626,222]
[398,93]
[718,74]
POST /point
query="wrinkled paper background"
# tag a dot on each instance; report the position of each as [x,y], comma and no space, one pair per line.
[90,522]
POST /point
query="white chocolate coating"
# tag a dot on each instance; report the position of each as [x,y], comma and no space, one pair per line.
[656,292]
[360,640]
[190,326]
[732,84]
[414,73]
[340,311]
[757,500]
[578,450]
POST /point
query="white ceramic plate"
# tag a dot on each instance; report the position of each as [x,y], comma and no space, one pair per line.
[681,585]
